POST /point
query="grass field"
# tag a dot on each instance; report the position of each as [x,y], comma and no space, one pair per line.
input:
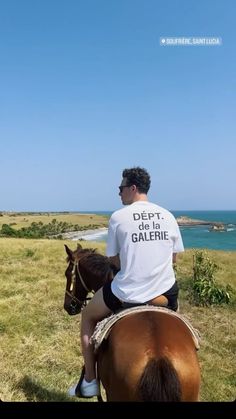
[40,354]
[19,220]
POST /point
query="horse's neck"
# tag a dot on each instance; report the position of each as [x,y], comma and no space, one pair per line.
[98,281]
[95,281]
[92,281]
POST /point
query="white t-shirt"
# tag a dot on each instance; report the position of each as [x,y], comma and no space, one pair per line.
[145,236]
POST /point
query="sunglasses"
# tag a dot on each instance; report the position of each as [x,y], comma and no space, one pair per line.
[122,187]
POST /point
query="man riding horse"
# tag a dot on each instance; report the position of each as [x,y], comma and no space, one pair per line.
[143,240]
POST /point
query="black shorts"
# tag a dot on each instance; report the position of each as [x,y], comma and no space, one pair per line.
[111,301]
[114,304]
[172,297]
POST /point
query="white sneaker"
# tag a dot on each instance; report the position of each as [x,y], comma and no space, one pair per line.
[90,389]
[71,392]
[86,389]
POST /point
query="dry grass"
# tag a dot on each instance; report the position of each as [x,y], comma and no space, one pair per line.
[18,220]
[40,353]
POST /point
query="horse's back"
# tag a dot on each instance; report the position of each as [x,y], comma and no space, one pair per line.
[145,344]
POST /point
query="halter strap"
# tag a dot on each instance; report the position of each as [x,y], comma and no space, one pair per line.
[72,287]
[76,264]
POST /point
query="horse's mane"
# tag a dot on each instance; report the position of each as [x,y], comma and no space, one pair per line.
[94,263]
[97,264]
[80,251]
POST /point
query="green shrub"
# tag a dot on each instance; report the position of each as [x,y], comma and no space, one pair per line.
[7,231]
[204,290]
[38,230]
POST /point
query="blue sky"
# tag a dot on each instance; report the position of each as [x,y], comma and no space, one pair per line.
[87,90]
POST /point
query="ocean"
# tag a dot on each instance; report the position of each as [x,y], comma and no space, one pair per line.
[196,236]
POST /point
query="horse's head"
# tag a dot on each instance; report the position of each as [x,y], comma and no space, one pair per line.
[87,271]
[76,287]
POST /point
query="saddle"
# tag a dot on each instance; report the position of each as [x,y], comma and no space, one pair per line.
[103,328]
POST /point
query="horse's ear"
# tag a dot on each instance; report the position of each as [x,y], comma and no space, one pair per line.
[79,247]
[69,252]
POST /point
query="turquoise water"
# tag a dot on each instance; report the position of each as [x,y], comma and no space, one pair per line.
[199,236]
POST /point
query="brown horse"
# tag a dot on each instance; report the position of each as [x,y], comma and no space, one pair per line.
[148,356]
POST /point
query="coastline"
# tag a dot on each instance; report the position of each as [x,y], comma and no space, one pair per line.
[85,234]
[197,232]
[183,221]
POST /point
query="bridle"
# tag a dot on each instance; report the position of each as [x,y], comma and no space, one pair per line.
[76,267]
[71,291]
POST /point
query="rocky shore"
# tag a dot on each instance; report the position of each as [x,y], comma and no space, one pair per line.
[185,221]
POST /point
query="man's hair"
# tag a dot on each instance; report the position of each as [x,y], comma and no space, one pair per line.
[139,177]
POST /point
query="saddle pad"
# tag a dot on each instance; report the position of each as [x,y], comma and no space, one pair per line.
[103,327]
